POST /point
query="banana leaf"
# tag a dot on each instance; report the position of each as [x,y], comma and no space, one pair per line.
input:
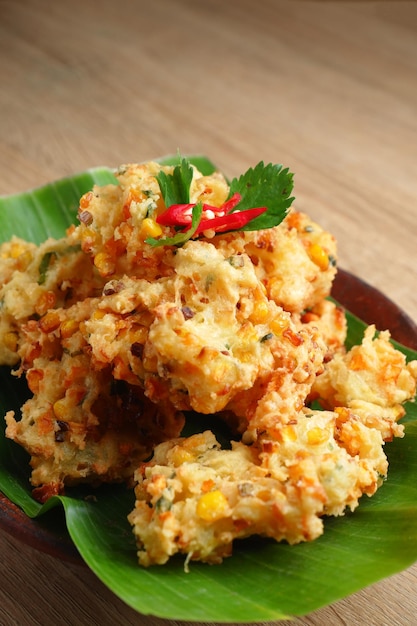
[263,580]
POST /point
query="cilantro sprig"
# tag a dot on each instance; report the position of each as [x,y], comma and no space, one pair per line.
[175,187]
[264,185]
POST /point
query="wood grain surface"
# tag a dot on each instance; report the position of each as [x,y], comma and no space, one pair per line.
[329,89]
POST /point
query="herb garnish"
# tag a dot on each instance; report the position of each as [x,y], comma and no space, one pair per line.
[259,199]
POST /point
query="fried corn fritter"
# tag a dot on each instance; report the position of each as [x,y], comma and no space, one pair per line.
[211,321]
[81,424]
[194,498]
[120,333]
[37,279]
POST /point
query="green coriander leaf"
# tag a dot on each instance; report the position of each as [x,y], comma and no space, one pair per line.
[44,266]
[180,238]
[47,260]
[175,187]
[264,185]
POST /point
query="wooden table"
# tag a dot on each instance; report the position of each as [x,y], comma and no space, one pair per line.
[326,88]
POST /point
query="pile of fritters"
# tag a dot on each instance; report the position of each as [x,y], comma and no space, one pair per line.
[119,340]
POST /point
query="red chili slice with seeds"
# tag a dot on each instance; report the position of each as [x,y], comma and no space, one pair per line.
[219,219]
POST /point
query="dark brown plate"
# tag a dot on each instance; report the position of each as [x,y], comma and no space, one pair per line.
[49,534]
[371,306]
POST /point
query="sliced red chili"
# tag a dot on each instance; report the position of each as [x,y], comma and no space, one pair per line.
[231,221]
[219,219]
[231,203]
[176,215]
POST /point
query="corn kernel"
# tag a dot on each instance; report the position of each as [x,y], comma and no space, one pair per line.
[34,378]
[279,325]
[150,228]
[123,333]
[88,239]
[140,335]
[247,333]
[221,372]
[244,355]
[60,409]
[342,413]
[68,328]
[180,455]
[49,322]
[316,436]
[319,256]
[45,302]
[10,341]
[212,506]
[260,312]
[288,433]
[16,249]
[98,314]
[264,495]
[104,263]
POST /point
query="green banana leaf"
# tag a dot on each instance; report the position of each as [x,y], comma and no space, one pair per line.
[263,580]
